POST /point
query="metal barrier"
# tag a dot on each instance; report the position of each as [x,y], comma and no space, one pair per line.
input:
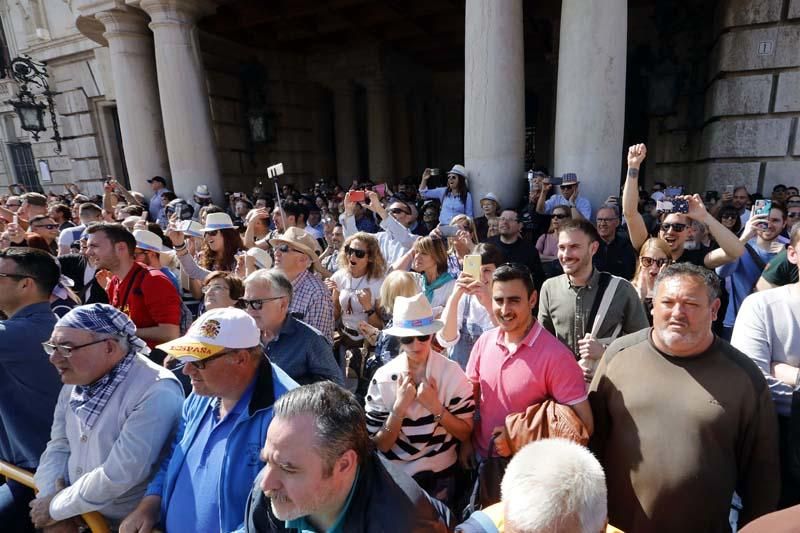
[95,521]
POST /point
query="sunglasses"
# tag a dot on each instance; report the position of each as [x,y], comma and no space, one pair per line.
[647,262]
[285,248]
[409,340]
[561,216]
[361,254]
[397,211]
[201,365]
[728,215]
[47,226]
[257,304]
[793,215]
[212,233]
[567,186]
[677,227]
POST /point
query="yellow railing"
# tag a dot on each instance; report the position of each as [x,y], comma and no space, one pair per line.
[95,521]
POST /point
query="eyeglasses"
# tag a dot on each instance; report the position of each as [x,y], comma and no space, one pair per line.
[361,254]
[13,205]
[677,227]
[208,288]
[567,186]
[409,340]
[18,276]
[48,226]
[562,216]
[203,363]
[66,350]
[606,220]
[257,304]
[397,211]
[647,262]
[285,248]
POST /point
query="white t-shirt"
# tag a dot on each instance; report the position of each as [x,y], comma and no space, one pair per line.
[767,330]
[352,311]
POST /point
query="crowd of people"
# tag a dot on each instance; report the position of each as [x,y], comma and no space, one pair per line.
[379,357]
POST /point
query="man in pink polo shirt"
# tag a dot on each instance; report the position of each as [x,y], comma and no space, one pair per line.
[520,363]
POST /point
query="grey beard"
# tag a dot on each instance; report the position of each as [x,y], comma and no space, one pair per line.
[690,245]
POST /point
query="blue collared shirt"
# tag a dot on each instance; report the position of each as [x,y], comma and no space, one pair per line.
[304,353]
[198,481]
[302,525]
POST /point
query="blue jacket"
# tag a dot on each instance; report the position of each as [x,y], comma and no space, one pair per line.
[242,450]
[29,385]
[304,353]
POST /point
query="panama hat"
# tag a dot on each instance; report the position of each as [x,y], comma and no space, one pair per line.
[302,241]
[459,170]
[262,258]
[570,178]
[214,332]
[217,221]
[147,240]
[413,316]
[490,196]
[201,191]
[195,229]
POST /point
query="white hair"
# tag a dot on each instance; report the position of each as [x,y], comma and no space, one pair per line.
[554,486]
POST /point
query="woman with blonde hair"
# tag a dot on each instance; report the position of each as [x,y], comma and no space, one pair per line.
[461,244]
[654,256]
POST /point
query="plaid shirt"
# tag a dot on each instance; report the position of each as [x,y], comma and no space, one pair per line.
[311,303]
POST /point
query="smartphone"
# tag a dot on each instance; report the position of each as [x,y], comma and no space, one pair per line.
[676,205]
[448,231]
[672,192]
[554,180]
[380,189]
[472,265]
[435,171]
[179,211]
[16,219]
[762,207]
[145,215]
[729,189]
[184,225]
[357,196]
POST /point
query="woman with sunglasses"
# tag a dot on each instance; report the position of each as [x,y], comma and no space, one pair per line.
[455,198]
[355,287]
[221,243]
[729,217]
[221,289]
[464,241]
[653,258]
[419,405]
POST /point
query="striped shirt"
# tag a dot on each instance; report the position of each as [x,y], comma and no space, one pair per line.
[423,444]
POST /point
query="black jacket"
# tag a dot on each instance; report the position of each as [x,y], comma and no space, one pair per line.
[386,500]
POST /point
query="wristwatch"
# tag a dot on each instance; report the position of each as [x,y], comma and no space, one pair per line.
[437,418]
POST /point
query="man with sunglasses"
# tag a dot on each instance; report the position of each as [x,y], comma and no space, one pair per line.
[205,482]
[47,229]
[113,395]
[675,226]
[396,239]
[29,384]
[581,207]
[297,348]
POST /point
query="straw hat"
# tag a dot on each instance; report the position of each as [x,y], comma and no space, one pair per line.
[217,221]
[413,316]
[263,259]
[459,170]
[302,241]
[147,240]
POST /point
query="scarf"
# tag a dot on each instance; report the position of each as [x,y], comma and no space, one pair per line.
[438,282]
[88,401]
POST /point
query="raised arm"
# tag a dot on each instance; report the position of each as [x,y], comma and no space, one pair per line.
[630,196]
[730,247]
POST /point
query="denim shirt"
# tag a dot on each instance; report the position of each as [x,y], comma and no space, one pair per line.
[304,353]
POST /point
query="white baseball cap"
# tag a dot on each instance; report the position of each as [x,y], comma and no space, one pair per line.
[214,332]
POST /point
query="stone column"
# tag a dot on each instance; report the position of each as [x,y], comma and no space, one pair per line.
[590,107]
[494,100]
[378,134]
[133,68]
[191,144]
[344,116]
[401,136]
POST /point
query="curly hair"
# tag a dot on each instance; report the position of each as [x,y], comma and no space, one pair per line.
[376,264]
[226,260]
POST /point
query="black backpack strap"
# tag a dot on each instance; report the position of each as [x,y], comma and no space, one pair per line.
[755,257]
[602,285]
[139,277]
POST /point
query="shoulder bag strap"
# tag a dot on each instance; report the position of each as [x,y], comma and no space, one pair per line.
[755,257]
[611,289]
[605,279]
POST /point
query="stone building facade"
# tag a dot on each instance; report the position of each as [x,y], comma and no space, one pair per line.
[213,91]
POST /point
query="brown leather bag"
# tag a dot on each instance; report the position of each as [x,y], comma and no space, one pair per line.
[547,419]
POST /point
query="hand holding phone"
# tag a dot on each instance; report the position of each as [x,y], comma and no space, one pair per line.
[448,230]
[472,266]
[357,196]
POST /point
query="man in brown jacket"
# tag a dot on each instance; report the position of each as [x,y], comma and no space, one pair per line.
[683,419]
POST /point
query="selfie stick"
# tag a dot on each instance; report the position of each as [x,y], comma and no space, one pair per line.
[272,173]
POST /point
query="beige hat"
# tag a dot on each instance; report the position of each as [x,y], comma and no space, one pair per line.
[301,241]
[413,316]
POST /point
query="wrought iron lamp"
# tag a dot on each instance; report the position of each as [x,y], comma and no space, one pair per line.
[28,72]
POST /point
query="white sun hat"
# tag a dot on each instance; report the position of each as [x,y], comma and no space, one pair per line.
[147,240]
[413,316]
[217,221]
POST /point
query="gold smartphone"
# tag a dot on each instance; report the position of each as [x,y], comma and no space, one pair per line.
[472,266]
